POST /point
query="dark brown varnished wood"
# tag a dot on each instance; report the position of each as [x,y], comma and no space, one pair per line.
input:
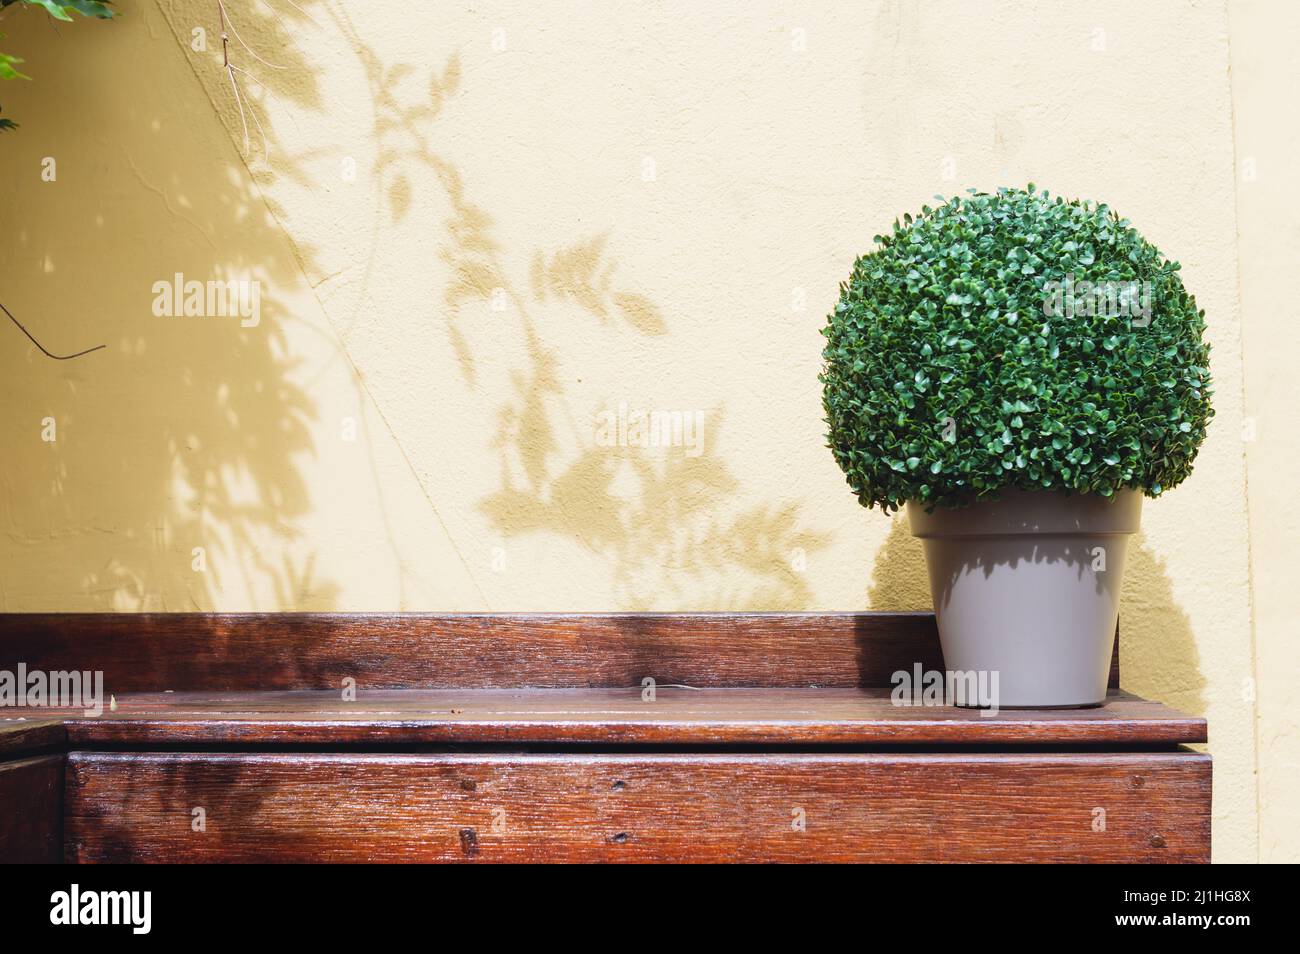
[282,651]
[675,716]
[30,732]
[756,720]
[31,810]
[638,807]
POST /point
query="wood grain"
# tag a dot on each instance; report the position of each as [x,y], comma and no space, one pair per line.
[283,651]
[645,807]
[30,732]
[31,810]
[784,717]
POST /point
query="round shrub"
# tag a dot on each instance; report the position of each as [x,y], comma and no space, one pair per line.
[1015,340]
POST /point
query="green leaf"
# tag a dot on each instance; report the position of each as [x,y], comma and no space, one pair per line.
[59,9]
[90,8]
[7,70]
[54,9]
[925,330]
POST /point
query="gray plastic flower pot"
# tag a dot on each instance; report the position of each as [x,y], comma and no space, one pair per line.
[1027,587]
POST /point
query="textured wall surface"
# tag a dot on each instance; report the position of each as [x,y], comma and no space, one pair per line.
[487,237]
[1266,84]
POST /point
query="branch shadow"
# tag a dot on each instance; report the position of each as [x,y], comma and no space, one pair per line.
[168,477]
[1158,653]
[654,517]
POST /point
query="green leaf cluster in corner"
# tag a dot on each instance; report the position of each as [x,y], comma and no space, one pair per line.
[63,9]
[1013,340]
[60,10]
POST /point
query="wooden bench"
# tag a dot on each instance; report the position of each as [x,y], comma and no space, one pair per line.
[763,737]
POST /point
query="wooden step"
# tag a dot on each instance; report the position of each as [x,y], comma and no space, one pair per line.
[1069,807]
[153,652]
[676,716]
[768,737]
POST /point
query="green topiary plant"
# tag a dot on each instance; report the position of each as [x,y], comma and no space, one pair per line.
[1014,339]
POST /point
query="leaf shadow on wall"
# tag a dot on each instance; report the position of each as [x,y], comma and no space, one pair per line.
[658,520]
[652,513]
[174,480]
[1158,655]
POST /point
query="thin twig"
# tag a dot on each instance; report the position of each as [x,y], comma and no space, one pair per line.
[227,24]
[239,101]
[284,24]
[225,64]
[225,40]
[303,12]
[251,51]
[266,149]
[48,354]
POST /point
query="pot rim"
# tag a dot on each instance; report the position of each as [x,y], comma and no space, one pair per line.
[1033,513]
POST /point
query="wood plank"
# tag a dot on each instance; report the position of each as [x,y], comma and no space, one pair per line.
[31,810]
[282,651]
[25,734]
[611,717]
[646,807]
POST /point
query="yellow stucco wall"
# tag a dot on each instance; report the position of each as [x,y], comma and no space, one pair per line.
[480,230]
[1265,84]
